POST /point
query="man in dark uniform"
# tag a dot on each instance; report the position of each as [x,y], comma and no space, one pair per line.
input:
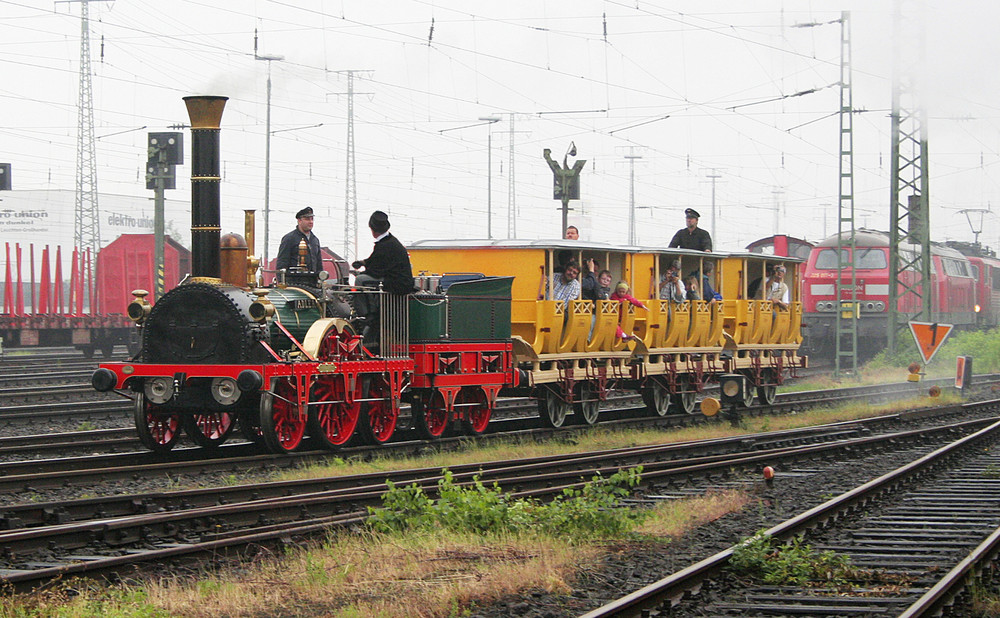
[389,264]
[288,252]
[692,236]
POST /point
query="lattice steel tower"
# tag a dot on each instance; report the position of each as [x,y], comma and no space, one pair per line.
[909,205]
[350,187]
[87,233]
[846,358]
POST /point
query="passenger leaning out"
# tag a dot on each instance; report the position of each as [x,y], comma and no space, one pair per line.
[565,284]
[777,289]
[622,295]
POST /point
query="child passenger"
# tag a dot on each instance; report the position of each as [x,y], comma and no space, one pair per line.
[621,294]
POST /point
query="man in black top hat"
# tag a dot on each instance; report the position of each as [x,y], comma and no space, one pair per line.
[389,264]
[288,252]
[692,236]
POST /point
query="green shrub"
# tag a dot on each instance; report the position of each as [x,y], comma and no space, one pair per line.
[790,564]
[591,511]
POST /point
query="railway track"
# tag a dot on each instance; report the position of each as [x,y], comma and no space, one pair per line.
[44,541]
[919,530]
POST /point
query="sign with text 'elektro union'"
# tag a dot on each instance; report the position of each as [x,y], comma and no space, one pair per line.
[929,337]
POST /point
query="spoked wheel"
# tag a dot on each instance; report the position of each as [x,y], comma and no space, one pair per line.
[430,415]
[553,409]
[767,392]
[657,398]
[332,423]
[378,418]
[685,400]
[476,410]
[339,341]
[157,432]
[280,423]
[209,429]
[587,409]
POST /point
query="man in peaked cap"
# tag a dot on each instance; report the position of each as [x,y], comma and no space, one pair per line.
[288,252]
[692,236]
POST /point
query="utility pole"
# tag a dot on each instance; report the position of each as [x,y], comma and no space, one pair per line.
[87,227]
[511,213]
[714,176]
[490,120]
[631,156]
[350,182]
[269,58]
[777,193]
[909,186]
[846,358]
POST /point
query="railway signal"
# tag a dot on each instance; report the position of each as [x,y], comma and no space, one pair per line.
[929,336]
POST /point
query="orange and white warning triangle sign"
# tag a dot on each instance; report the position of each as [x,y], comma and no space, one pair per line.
[929,337]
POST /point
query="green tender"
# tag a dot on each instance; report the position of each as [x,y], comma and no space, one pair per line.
[470,310]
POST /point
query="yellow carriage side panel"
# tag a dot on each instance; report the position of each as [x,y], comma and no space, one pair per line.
[795,327]
[715,338]
[577,328]
[779,326]
[657,317]
[701,317]
[761,310]
[677,329]
[603,336]
[626,320]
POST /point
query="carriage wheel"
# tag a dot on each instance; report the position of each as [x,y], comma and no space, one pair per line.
[684,400]
[378,418]
[209,429]
[587,409]
[766,393]
[656,398]
[475,417]
[280,424]
[430,415]
[157,432]
[332,424]
[553,409]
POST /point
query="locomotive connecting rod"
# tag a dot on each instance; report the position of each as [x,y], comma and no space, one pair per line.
[206,117]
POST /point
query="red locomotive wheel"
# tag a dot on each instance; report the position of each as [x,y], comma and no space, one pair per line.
[379,417]
[340,345]
[430,415]
[332,424]
[209,429]
[280,424]
[157,432]
[476,410]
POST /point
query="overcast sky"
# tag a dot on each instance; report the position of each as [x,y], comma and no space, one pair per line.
[696,89]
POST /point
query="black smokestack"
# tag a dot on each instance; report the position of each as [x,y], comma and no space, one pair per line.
[206,116]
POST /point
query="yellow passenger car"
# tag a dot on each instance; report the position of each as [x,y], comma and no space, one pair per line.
[577,350]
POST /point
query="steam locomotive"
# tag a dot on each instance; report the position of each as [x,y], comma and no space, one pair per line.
[290,362]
